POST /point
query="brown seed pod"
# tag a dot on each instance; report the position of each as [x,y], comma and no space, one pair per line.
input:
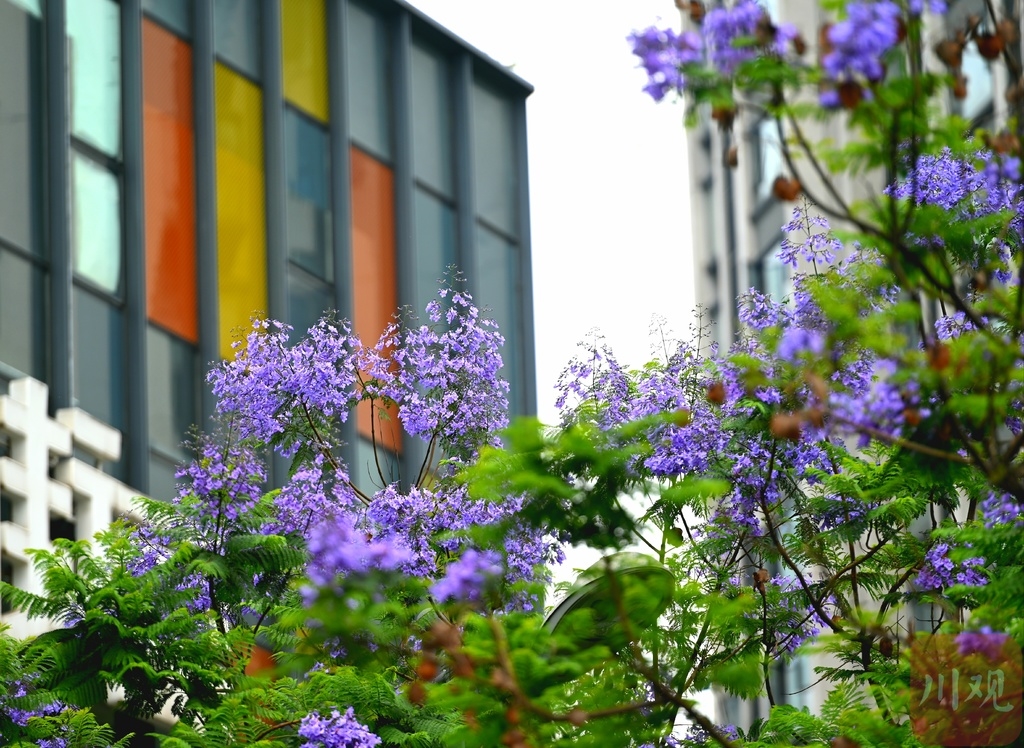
[724,116]
[512,715]
[1008,30]
[818,386]
[799,45]
[762,575]
[501,679]
[417,694]
[785,426]
[885,647]
[471,721]
[732,157]
[911,416]
[716,393]
[815,417]
[959,86]
[426,669]
[844,742]
[697,11]
[951,52]
[514,738]
[462,666]
[990,46]
[850,94]
[938,356]
[765,30]
[786,189]
[1004,142]
[824,43]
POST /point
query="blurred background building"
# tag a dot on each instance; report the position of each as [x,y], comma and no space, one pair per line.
[169,168]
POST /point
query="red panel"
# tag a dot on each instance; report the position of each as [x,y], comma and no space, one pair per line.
[374,275]
[169,182]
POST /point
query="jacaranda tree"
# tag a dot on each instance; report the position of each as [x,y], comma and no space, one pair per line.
[848,457]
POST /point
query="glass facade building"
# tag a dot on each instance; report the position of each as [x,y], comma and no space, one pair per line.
[169,168]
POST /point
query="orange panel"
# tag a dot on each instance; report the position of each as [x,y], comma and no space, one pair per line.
[374,276]
[169,182]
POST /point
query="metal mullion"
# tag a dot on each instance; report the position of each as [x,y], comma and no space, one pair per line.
[528,364]
[341,183]
[133,206]
[462,106]
[413,450]
[58,215]
[274,182]
[206,193]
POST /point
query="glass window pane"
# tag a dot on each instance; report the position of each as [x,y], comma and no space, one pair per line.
[369,81]
[775,277]
[174,14]
[431,120]
[374,276]
[435,245]
[979,83]
[173,381]
[96,223]
[169,182]
[241,222]
[304,55]
[162,483]
[495,168]
[309,213]
[236,34]
[99,358]
[22,315]
[308,299]
[496,288]
[21,128]
[94,28]
[770,152]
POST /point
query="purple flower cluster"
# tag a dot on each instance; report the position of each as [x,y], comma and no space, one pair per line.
[858,43]
[447,382]
[468,578]
[224,481]
[663,53]
[796,341]
[1002,510]
[337,548]
[697,736]
[269,382]
[337,731]
[940,571]
[984,641]
[730,32]
[815,246]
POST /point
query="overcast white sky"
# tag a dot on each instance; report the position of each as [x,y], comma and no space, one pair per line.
[608,188]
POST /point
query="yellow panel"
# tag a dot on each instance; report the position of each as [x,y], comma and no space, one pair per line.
[304,55]
[241,224]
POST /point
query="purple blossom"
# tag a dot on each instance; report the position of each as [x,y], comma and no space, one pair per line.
[858,43]
[224,481]
[1002,510]
[663,53]
[940,571]
[337,731]
[815,246]
[984,641]
[797,341]
[733,35]
[337,549]
[468,578]
[724,27]
[916,7]
[446,379]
